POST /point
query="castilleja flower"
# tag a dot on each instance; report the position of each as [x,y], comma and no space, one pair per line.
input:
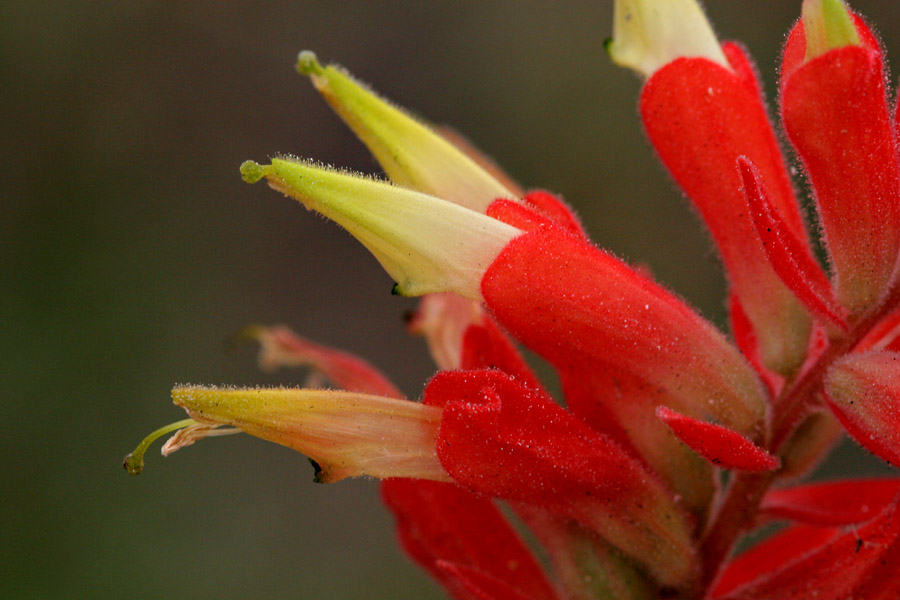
[672,439]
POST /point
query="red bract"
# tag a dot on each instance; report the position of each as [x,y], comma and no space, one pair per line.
[441,523]
[719,445]
[502,439]
[581,308]
[620,481]
[830,571]
[835,111]
[790,257]
[833,503]
[864,392]
[701,117]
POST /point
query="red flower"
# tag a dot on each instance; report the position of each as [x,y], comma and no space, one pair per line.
[622,487]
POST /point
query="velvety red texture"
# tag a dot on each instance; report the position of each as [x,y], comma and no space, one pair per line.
[560,213]
[700,117]
[583,309]
[485,346]
[443,522]
[835,112]
[502,439]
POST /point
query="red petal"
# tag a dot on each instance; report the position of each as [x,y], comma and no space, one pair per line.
[832,503]
[700,117]
[884,336]
[485,346]
[443,522]
[624,407]
[863,390]
[832,570]
[581,308]
[745,339]
[770,555]
[478,584]
[502,439]
[556,210]
[719,445]
[789,256]
[835,112]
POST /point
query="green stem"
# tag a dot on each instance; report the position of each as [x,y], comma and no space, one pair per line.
[134,462]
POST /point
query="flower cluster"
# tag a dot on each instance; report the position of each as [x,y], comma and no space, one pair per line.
[673,440]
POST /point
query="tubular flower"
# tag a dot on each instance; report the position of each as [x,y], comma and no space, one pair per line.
[620,481]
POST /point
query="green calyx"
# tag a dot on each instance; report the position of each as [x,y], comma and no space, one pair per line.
[827,24]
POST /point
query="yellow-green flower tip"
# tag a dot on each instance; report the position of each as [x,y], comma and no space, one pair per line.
[648,34]
[827,25]
[411,153]
[252,171]
[308,63]
[426,244]
[345,433]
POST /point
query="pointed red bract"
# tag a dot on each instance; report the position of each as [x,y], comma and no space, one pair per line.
[719,445]
[624,407]
[581,308]
[770,555]
[443,522]
[789,256]
[745,339]
[835,112]
[832,503]
[504,440]
[863,390]
[831,571]
[700,116]
[281,347]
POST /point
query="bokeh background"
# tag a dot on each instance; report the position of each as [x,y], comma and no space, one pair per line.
[131,250]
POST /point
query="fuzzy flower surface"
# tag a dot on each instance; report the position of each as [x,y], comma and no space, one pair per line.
[671,439]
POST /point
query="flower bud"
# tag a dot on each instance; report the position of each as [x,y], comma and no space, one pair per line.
[410,152]
[426,244]
[346,434]
[648,34]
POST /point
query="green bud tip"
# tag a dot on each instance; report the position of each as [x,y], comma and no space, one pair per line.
[308,64]
[250,333]
[252,171]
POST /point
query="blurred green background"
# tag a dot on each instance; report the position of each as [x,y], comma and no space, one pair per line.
[131,249]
